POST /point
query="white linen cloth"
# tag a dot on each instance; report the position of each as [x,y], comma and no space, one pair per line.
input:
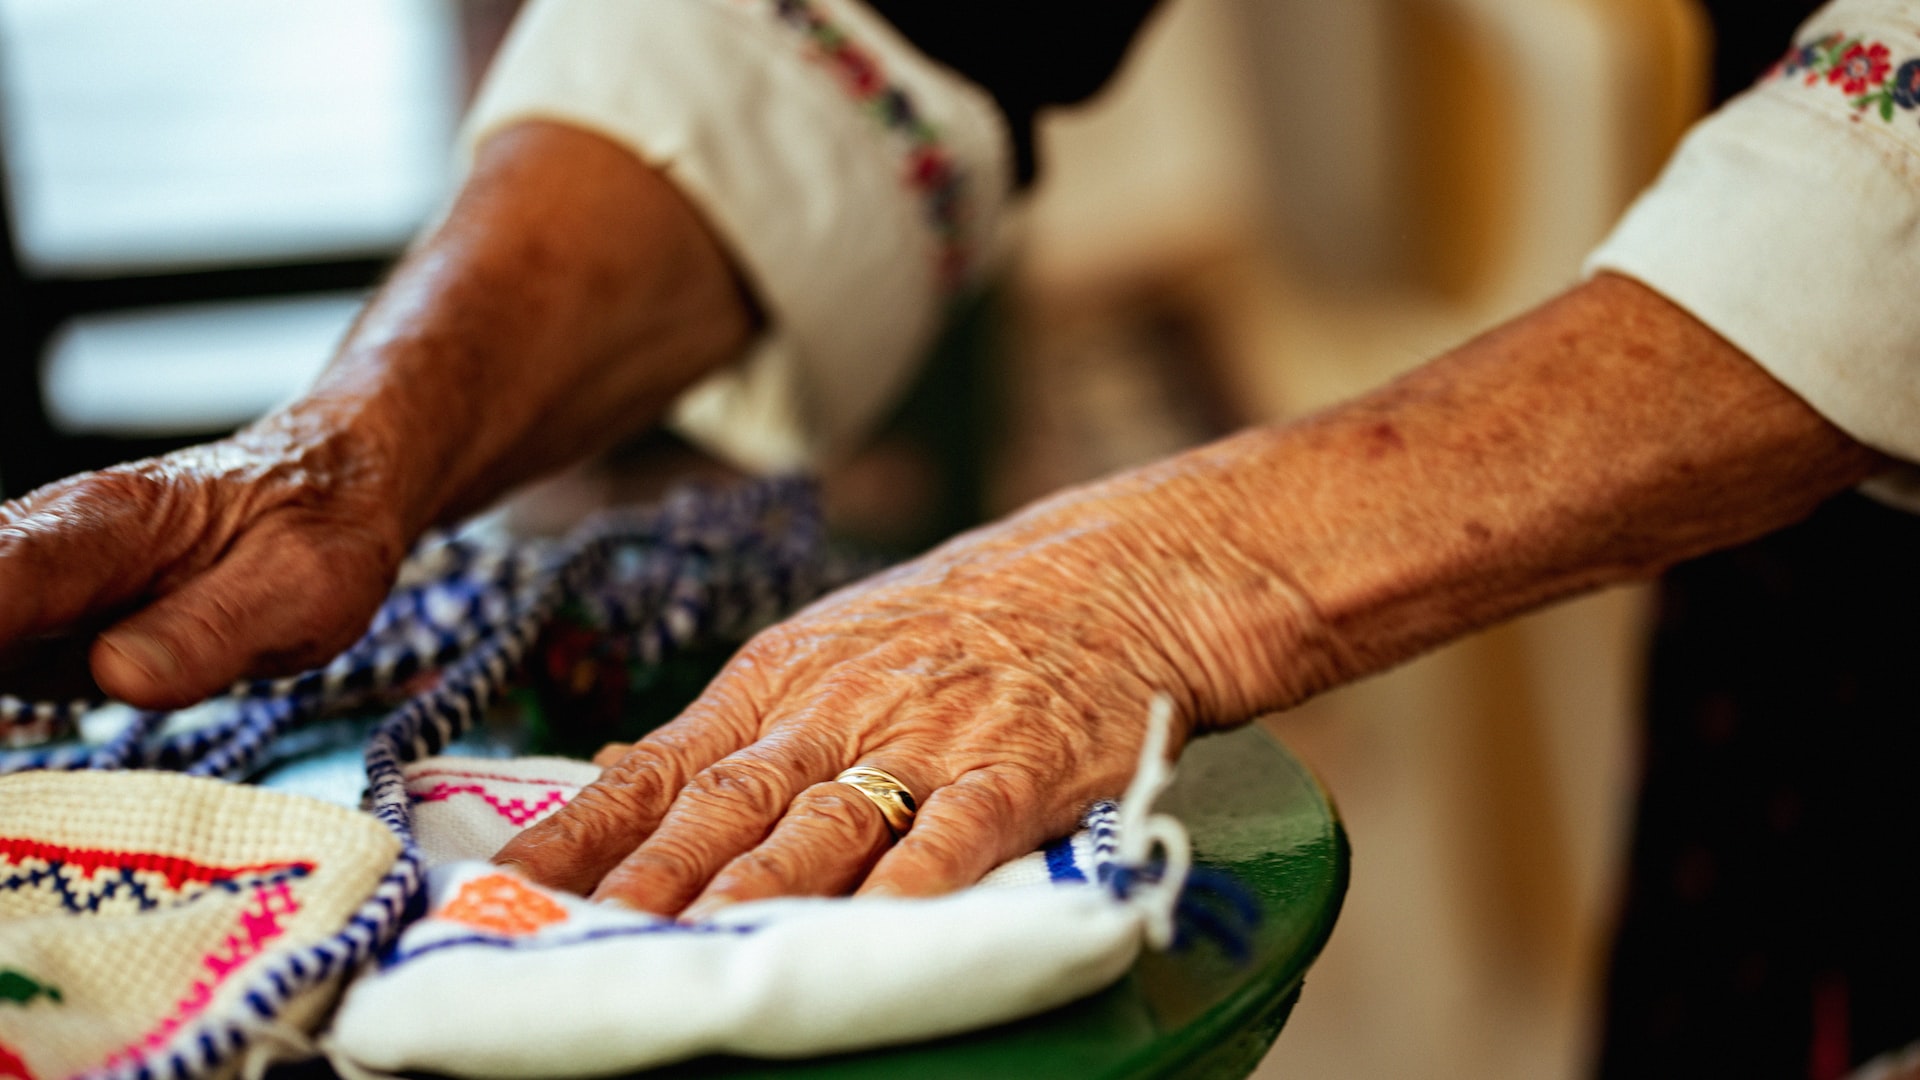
[503,978]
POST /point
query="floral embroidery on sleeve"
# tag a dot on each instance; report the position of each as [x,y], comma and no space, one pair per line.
[1862,70]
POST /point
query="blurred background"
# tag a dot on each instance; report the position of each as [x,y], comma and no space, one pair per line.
[1279,204]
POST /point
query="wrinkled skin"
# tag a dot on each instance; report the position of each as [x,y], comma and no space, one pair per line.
[569,295]
[1002,678]
[202,563]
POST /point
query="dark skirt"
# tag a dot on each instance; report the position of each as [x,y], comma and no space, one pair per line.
[1771,924]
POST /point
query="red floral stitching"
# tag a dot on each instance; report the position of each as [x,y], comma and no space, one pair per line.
[931,170]
[1859,68]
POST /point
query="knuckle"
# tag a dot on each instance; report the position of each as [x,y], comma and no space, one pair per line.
[609,755]
[943,854]
[126,485]
[990,798]
[196,631]
[664,868]
[762,870]
[631,789]
[589,823]
[744,784]
[664,855]
[847,812]
[597,827]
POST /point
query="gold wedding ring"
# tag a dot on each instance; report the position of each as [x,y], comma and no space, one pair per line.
[884,791]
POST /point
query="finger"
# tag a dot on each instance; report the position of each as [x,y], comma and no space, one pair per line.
[607,820]
[281,601]
[70,553]
[724,810]
[964,830]
[611,753]
[829,839]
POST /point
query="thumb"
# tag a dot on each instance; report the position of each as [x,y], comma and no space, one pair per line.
[282,600]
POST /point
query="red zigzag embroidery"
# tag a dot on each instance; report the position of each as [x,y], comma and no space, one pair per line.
[176,870]
[514,810]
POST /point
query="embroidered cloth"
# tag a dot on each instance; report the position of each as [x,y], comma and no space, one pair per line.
[154,924]
[506,979]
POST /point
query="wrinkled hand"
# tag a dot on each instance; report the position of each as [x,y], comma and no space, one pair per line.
[1003,678]
[258,555]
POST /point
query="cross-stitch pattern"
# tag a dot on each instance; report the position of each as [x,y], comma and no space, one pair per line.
[503,904]
[504,978]
[124,931]
[468,809]
[91,880]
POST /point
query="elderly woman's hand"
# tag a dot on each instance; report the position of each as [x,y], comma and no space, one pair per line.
[207,564]
[1004,679]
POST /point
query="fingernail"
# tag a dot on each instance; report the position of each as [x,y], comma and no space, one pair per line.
[702,910]
[879,892]
[513,866]
[145,653]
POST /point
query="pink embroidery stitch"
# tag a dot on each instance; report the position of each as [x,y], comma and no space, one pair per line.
[514,810]
[260,924]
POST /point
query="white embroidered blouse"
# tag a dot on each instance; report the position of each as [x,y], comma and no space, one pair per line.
[1789,221]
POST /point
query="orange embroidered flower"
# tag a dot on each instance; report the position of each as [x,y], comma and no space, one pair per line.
[502,904]
[1861,66]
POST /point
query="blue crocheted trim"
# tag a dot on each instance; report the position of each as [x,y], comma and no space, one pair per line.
[1102,821]
[1213,905]
[1061,869]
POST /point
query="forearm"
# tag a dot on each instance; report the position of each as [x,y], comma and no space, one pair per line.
[1598,439]
[569,296]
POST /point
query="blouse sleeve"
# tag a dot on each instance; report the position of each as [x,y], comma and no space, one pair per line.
[1789,222]
[855,181]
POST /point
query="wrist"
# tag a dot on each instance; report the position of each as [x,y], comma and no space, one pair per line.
[569,297]
[1215,578]
[1146,568]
